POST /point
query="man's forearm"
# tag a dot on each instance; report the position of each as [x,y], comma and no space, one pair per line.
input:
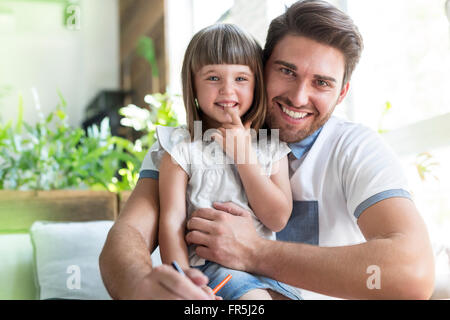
[345,272]
[397,253]
[124,261]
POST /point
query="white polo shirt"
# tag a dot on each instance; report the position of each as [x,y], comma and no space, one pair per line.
[341,170]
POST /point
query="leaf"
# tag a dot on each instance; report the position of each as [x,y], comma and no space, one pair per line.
[146,49]
[61,99]
[388,107]
[49,118]
[51,154]
[19,123]
[61,114]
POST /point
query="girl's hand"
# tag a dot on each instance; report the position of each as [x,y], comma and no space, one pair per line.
[235,139]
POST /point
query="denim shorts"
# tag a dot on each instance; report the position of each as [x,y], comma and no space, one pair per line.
[242,282]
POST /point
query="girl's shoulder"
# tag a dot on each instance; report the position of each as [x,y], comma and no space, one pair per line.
[175,141]
[168,137]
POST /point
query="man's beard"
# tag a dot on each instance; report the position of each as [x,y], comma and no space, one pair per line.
[290,133]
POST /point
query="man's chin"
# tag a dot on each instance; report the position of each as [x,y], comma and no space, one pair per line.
[290,134]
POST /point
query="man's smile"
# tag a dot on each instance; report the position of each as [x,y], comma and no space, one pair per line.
[293,115]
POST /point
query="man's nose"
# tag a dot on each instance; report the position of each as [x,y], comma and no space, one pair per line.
[299,94]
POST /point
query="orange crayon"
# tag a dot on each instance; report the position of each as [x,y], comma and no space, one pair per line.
[221,284]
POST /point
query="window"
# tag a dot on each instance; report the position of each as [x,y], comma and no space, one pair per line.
[406,61]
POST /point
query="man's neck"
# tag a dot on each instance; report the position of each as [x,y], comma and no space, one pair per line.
[301,147]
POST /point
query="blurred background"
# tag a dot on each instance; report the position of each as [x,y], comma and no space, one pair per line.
[94,57]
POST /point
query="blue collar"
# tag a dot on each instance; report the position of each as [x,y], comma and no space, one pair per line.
[301,147]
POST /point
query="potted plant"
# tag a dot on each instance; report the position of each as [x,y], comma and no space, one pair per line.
[51,168]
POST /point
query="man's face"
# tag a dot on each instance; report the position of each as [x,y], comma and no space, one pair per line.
[304,84]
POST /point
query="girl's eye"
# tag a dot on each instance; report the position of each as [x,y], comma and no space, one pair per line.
[241,79]
[213,78]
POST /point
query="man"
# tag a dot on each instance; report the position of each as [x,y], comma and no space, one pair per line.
[352,218]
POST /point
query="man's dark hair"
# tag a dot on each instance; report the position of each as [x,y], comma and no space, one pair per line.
[322,22]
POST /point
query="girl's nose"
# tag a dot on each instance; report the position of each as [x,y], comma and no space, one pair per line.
[226,88]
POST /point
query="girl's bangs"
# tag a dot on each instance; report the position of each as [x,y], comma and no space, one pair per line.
[222,48]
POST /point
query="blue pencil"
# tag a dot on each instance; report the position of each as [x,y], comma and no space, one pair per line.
[177,267]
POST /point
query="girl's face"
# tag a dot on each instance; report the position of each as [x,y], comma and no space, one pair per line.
[220,86]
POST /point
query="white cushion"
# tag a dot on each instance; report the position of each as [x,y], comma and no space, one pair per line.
[66,259]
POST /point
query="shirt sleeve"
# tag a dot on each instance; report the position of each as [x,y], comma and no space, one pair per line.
[370,171]
[150,165]
[175,141]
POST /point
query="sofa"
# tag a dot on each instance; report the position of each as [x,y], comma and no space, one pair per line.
[50,244]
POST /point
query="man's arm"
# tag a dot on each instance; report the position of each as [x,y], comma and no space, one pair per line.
[125,258]
[125,262]
[397,243]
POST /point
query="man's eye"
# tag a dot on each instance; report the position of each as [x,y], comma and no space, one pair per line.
[322,83]
[287,71]
[213,78]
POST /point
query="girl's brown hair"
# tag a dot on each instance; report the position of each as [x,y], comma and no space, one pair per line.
[223,44]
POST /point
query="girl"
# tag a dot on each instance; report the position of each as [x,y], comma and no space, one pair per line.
[222,88]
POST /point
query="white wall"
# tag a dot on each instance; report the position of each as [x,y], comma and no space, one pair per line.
[37,50]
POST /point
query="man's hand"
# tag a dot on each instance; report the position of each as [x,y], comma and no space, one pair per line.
[225,235]
[164,283]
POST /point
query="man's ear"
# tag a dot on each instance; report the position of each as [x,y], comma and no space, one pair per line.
[343,93]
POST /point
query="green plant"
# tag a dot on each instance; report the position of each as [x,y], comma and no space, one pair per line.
[425,164]
[146,48]
[52,155]
[386,110]
[143,120]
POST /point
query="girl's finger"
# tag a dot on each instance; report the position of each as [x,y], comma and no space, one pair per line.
[228,126]
[235,118]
